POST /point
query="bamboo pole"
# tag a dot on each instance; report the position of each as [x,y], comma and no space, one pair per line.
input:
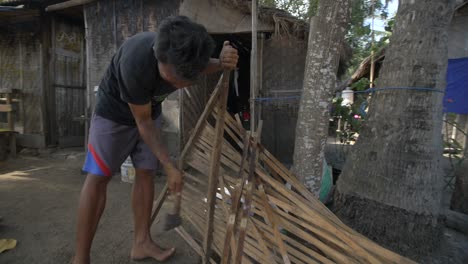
[253,67]
[214,168]
[67,4]
[235,204]
[372,69]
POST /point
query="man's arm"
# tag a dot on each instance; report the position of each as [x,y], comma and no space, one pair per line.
[214,65]
[152,137]
[227,60]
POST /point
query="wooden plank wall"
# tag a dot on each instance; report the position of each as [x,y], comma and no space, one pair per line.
[20,68]
[111,22]
[108,24]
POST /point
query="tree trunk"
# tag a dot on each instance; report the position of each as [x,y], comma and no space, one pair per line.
[391,185]
[327,31]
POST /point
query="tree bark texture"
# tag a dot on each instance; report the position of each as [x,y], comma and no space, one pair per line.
[391,185]
[327,31]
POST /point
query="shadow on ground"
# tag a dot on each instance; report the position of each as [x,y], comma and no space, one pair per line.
[38,201]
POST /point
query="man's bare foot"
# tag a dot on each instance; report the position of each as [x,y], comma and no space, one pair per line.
[149,249]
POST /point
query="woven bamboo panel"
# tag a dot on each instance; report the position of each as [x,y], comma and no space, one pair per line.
[257,211]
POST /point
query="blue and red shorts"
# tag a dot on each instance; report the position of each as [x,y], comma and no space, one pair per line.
[110,143]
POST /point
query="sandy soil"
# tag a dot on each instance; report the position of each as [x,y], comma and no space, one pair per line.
[38,201]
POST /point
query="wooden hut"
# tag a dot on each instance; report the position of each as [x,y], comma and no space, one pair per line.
[59,86]
[281,45]
[42,58]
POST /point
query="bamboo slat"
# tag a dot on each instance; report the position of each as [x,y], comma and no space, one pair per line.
[214,168]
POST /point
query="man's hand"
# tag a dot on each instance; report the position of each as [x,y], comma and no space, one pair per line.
[174,178]
[228,57]
[151,136]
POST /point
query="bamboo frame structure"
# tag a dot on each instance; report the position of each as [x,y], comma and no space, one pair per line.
[248,214]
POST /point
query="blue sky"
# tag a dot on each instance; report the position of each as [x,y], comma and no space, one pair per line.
[380,24]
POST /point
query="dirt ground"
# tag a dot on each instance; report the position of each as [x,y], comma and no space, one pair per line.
[38,202]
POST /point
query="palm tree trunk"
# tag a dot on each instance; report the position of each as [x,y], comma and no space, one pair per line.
[391,185]
[327,32]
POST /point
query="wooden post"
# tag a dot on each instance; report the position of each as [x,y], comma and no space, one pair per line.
[253,67]
[372,68]
[44,73]
[214,168]
[11,126]
[83,73]
[159,202]
[90,94]
[50,99]
[11,123]
[232,220]
[253,159]
[260,75]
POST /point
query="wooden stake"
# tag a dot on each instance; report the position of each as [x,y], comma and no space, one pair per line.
[247,200]
[253,66]
[214,168]
[159,202]
[232,221]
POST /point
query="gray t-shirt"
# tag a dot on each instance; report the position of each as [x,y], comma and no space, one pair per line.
[132,77]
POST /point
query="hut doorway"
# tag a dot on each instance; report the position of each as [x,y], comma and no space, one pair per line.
[194,98]
[239,85]
[67,95]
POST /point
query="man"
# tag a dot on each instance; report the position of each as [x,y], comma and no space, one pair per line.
[143,72]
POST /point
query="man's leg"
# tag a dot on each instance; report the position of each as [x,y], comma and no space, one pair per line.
[92,203]
[142,202]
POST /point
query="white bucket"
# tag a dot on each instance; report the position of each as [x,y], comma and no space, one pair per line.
[127,171]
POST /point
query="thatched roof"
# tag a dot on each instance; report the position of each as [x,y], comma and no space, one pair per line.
[285,23]
[364,69]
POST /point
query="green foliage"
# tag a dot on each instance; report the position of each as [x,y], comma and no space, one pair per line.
[303,9]
[359,36]
[313,7]
[351,126]
[361,85]
[268,3]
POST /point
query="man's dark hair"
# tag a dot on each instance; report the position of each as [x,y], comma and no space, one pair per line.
[184,44]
